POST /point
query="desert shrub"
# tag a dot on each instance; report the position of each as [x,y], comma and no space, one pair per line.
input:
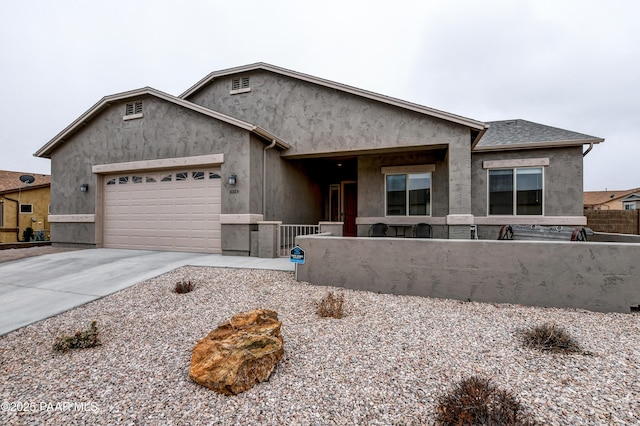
[551,338]
[330,306]
[27,234]
[183,287]
[476,401]
[82,339]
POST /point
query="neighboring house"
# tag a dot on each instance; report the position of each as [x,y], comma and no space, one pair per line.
[256,143]
[607,200]
[23,205]
[631,202]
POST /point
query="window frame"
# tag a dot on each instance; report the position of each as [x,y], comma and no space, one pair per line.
[514,205]
[407,171]
[26,204]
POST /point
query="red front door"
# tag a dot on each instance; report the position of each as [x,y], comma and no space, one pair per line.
[349,208]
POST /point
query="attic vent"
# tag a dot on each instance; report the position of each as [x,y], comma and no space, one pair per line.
[133,110]
[240,85]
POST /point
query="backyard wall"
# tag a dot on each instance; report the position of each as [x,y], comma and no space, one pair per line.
[595,276]
[614,221]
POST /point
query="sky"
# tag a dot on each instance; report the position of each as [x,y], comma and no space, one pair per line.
[564,63]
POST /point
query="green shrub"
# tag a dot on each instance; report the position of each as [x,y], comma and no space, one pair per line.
[331,306]
[27,234]
[476,401]
[82,339]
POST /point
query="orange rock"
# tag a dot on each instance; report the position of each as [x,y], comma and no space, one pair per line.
[239,353]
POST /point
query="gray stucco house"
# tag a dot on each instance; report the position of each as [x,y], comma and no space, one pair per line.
[258,143]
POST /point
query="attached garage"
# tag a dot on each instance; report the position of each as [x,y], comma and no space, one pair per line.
[177,210]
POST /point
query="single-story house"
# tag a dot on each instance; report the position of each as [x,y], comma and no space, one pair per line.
[607,200]
[259,143]
[24,203]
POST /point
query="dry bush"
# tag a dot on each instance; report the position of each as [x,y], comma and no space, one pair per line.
[183,287]
[550,338]
[330,306]
[82,339]
[476,401]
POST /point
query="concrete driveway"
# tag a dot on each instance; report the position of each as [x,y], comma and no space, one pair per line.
[36,288]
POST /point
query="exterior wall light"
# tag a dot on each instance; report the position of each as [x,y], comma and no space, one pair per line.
[84,187]
[232,179]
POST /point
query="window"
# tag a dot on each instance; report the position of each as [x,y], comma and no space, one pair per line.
[197,175]
[111,181]
[150,179]
[629,206]
[214,175]
[166,178]
[122,180]
[181,176]
[516,191]
[240,85]
[26,208]
[136,179]
[408,194]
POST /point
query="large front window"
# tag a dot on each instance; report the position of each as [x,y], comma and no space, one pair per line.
[516,191]
[408,194]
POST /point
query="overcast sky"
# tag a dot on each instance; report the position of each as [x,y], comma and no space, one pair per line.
[568,64]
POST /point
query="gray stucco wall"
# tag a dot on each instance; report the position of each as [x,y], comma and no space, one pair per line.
[563,179]
[165,131]
[316,119]
[595,276]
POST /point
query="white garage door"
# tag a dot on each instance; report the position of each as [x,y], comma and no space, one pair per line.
[172,210]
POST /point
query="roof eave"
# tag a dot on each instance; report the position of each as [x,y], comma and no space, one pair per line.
[537,145]
[475,124]
[45,151]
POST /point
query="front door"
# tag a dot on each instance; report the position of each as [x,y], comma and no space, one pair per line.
[349,208]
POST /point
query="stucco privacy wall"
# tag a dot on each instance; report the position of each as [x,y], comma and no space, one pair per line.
[317,119]
[165,131]
[595,276]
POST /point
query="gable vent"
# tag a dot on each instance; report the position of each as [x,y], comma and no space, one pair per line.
[133,110]
[240,85]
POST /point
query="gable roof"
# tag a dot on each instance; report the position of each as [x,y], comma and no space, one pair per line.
[595,198]
[474,124]
[631,197]
[107,101]
[523,134]
[10,181]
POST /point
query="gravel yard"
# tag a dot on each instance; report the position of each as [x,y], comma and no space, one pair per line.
[384,363]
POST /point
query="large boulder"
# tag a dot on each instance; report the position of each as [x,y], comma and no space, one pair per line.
[239,353]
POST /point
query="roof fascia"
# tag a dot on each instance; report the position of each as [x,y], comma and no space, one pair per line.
[24,188]
[106,101]
[337,86]
[537,145]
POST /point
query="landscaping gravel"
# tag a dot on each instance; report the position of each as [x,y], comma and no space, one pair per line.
[385,362]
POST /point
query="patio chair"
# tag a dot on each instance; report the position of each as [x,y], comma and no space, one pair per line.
[422,230]
[378,230]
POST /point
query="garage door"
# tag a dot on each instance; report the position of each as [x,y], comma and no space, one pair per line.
[172,210]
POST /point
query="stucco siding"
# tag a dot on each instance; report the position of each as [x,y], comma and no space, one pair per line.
[317,119]
[563,179]
[165,131]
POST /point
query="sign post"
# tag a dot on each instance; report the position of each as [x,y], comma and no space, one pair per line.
[296,255]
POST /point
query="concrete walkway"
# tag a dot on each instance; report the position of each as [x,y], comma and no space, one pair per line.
[36,288]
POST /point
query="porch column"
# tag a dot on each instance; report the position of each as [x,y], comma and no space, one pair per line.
[268,238]
[459,218]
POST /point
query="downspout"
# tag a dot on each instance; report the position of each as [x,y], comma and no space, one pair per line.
[584,154]
[264,177]
[17,216]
